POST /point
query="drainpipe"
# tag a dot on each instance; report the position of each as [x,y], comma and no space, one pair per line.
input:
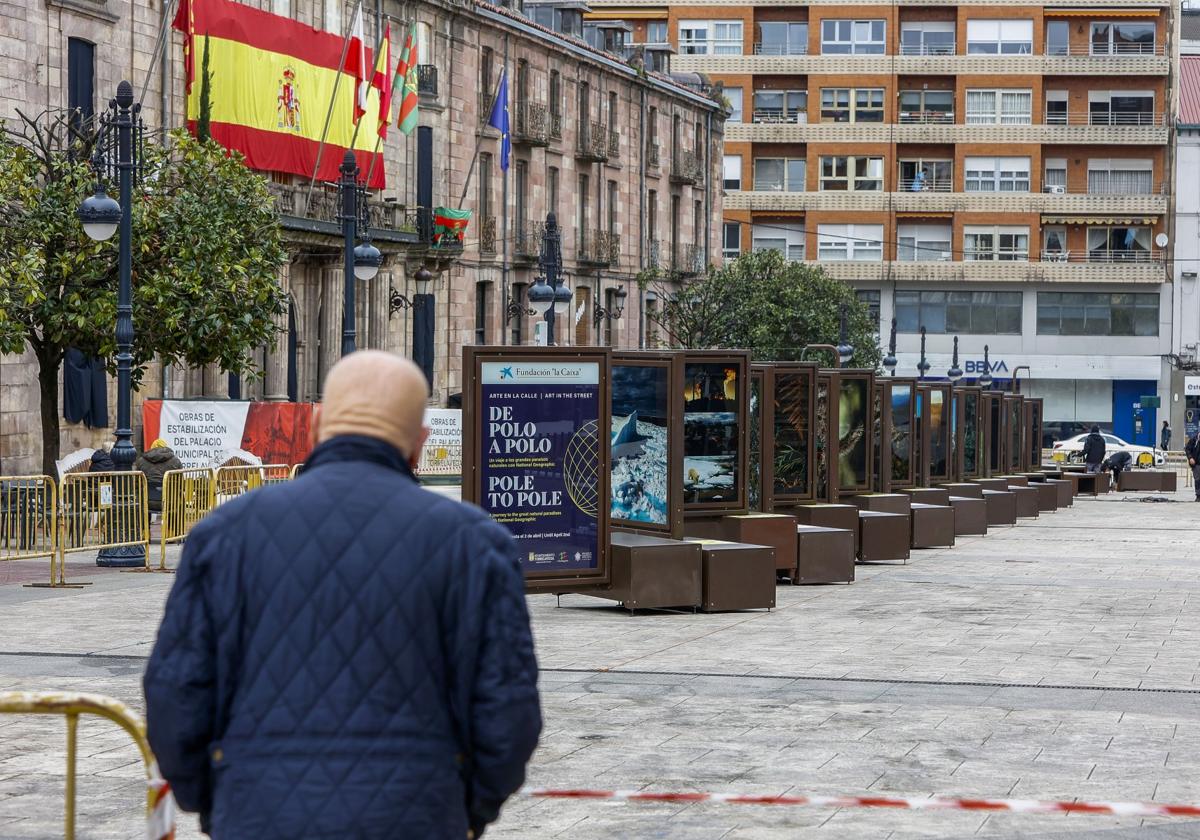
[1016,386]
[642,232]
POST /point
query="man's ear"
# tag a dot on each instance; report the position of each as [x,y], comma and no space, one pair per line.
[415,457]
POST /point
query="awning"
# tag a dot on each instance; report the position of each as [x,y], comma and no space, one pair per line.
[1103,13]
[767,215]
[1099,220]
[917,214]
[627,14]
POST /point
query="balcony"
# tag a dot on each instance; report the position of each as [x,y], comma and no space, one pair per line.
[427,80]
[926,117]
[930,64]
[487,234]
[527,245]
[852,133]
[939,201]
[1056,271]
[1105,257]
[592,143]
[614,144]
[532,124]
[687,168]
[927,49]
[601,248]
[780,49]
[652,253]
[555,126]
[689,261]
[1136,118]
[652,158]
[319,212]
[778,116]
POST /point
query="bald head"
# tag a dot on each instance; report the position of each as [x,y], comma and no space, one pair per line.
[376,394]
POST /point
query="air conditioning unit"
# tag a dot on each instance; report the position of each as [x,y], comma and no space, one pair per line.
[1056,189]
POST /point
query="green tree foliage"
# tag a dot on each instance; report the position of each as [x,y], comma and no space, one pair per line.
[206,252]
[204,122]
[772,307]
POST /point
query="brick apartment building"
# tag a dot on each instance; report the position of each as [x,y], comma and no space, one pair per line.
[628,159]
[994,170]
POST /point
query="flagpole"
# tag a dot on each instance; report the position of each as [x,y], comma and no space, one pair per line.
[358,122]
[478,145]
[396,77]
[504,226]
[337,80]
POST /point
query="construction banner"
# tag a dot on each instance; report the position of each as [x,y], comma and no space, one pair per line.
[272,84]
[205,433]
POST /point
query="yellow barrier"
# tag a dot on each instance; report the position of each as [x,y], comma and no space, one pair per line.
[159,810]
[235,481]
[28,506]
[187,496]
[297,469]
[103,510]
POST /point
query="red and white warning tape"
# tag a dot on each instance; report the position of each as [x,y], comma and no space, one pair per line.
[1021,806]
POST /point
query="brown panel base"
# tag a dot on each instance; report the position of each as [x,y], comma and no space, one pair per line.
[1088,484]
[829,516]
[932,526]
[1065,490]
[928,495]
[823,555]
[1153,480]
[965,489]
[1027,501]
[883,502]
[737,576]
[652,573]
[1047,496]
[1016,480]
[777,530]
[1001,507]
[970,516]
[882,536]
[1000,484]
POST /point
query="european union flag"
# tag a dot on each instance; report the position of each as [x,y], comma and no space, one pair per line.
[499,119]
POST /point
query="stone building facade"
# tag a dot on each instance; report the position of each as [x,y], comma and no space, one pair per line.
[627,159]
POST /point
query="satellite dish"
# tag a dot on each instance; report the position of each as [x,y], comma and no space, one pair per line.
[1161,240]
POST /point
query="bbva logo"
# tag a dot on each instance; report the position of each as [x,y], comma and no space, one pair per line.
[979,366]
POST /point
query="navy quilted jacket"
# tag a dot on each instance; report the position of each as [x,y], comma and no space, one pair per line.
[345,655]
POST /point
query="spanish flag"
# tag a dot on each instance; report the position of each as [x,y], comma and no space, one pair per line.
[272,81]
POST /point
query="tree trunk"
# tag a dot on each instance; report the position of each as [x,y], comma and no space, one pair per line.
[48,368]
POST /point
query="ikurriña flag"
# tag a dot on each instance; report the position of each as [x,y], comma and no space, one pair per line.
[272,82]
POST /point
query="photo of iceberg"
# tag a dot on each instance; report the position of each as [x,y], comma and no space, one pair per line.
[710,433]
[639,444]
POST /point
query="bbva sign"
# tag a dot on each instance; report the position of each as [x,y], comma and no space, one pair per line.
[979,366]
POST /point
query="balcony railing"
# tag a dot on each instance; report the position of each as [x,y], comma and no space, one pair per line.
[528,241]
[689,260]
[532,123]
[778,116]
[766,185]
[687,168]
[1141,118]
[487,234]
[592,144]
[321,205]
[927,117]
[780,49]
[427,80]
[614,144]
[1103,256]
[652,157]
[714,46]
[1106,51]
[926,185]
[555,126]
[652,253]
[927,49]
[601,248]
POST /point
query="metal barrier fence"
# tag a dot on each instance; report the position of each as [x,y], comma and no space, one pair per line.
[27,518]
[187,496]
[160,808]
[235,481]
[103,510]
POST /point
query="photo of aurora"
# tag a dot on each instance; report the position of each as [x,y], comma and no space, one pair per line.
[791,434]
[937,433]
[710,433]
[901,433]
[970,433]
[852,433]
[639,444]
[754,491]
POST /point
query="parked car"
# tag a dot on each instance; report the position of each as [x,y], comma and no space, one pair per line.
[1073,447]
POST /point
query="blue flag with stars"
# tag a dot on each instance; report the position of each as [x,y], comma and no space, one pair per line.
[499,119]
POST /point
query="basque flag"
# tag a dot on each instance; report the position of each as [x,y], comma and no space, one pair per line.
[499,119]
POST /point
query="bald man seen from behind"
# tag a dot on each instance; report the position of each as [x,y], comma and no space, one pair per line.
[347,655]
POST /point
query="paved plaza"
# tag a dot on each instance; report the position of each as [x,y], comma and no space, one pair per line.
[1059,659]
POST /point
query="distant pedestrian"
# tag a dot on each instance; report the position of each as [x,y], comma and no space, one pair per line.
[1192,450]
[101,461]
[918,183]
[1165,436]
[1093,450]
[156,462]
[347,655]
[1117,463]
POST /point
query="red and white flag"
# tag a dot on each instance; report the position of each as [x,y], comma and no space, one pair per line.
[358,64]
[382,80]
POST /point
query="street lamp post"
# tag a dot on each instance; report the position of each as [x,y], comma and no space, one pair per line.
[361,261]
[923,366]
[889,361]
[954,374]
[985,378]
[550,295]
[101,217]
[845,350]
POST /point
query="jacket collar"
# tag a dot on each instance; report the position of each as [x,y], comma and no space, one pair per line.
[358,448]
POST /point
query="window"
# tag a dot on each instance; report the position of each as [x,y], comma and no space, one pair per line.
[1118,244]
[656,32]
[999,107]
[485,184]
[1120,107]
[926,106]
[281,7]
[612,111]
[731,166]
[481,313]
[81,81]
[486,91]
[585,101]
[787,239]
[555,95]
[916,243]
[517,323]
[1097,313]
[782,38]
[852,37]
[652,219]
[971,313]
[1001,174]
[1120,177]
[852,105]
[581,212]
[1058,34]
[999,37]
[780,106]
[710,37]
[1056,107]
[871,298]
[1054,244]
[779,174]
[613,202]
[1055,179]
[734,95]
[850,242]
[1126,38]
[521,182]
[991,244]
[921,175]
[552,190]
[857,174]
[333,17]
[927,38]
[731,240]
